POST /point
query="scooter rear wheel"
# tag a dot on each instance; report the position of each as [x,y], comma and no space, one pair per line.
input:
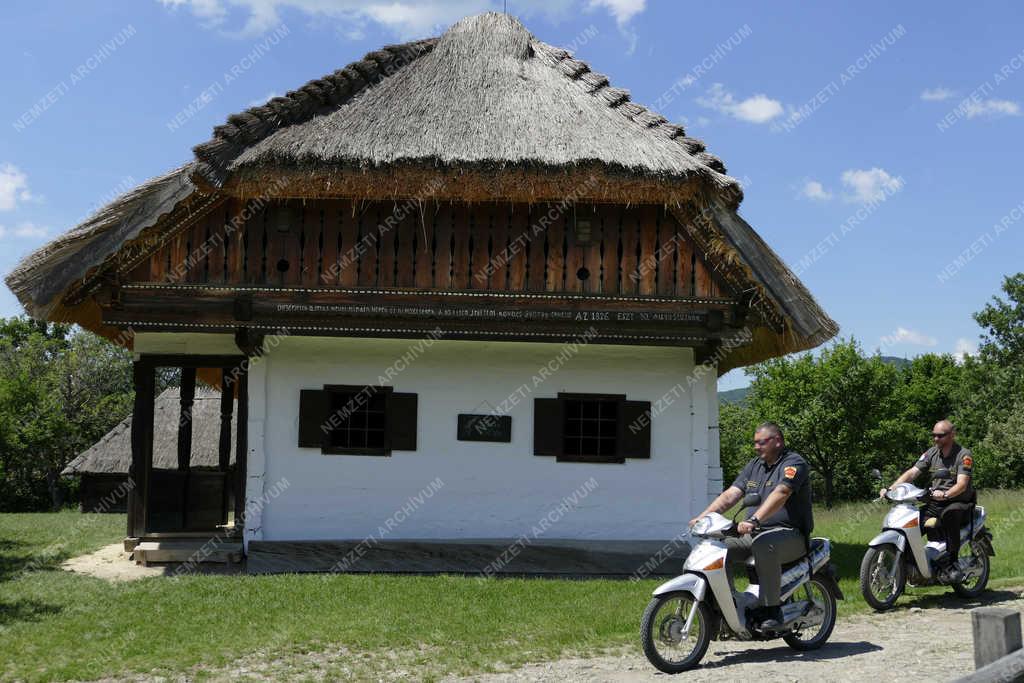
[882,576]
[820,593]
[665,644]
[972,589]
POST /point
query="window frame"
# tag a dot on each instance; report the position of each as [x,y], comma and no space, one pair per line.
[385,450]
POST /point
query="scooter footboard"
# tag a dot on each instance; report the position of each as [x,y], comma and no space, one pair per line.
[694,584]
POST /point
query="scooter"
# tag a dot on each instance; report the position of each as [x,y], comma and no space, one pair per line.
[900,554]
[700,604]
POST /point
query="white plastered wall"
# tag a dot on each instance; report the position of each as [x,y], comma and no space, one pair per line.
[477,490]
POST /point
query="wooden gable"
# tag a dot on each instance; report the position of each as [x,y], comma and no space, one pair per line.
[348,267]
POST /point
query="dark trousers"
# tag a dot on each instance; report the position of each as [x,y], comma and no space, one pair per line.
[951,517]
[771,549]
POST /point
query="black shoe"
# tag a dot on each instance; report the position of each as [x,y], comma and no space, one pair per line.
[953,574]
[771,618]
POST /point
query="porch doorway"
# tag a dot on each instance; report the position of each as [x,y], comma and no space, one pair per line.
[195,487]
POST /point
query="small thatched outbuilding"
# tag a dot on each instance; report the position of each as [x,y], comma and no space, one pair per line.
[103,468]
[456,285]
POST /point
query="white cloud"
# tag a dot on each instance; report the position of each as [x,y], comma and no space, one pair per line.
[13,187]
[403,18]
[870,185]
[622,10]
[936,94]
[812,189]
[902,335]
[991,108]
[756,109]
[23,230]
[964,347]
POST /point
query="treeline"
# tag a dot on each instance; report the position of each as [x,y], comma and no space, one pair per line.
[848,413]
[61,389]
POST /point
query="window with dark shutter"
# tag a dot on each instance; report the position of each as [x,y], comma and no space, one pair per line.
[357,420]
[599,428]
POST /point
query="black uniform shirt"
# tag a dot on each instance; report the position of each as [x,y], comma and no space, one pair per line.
[790,469]
[945,469]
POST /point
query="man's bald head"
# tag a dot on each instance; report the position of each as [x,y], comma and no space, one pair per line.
[944,426]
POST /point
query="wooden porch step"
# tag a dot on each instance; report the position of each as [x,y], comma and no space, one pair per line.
[188,550]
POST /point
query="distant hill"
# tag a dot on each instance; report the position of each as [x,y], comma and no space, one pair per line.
[739,395]
[733,395]
[898,362]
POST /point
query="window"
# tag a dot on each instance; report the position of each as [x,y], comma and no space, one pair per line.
[592,428]
[357,420]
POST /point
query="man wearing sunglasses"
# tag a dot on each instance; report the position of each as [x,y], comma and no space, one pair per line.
[951,466]
[777,527]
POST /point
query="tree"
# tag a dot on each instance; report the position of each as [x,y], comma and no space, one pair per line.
[60,391]
[1003,323]
[831,409]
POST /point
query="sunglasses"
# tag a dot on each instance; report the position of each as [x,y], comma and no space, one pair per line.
[761,442]
[939,435]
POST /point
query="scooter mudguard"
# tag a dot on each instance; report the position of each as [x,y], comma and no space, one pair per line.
[694,584]
[889,537]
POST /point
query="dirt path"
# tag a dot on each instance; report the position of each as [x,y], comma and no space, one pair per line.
[931,644]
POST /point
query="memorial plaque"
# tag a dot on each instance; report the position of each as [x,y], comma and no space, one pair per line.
[485,428]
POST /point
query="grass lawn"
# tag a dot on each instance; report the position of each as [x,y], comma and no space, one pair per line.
[55,625]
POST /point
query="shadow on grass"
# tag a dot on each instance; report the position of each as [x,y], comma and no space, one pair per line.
[25,610]
[13,562]
[831,650]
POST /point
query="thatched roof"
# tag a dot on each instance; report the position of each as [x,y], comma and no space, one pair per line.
[486,94]
[113,453]
[485,112]
[50,270]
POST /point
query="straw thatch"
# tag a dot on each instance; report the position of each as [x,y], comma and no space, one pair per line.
[487,94]
[113,453]
[50,270]
[485,112]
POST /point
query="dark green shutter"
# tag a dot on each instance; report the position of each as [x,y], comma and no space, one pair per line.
[401,420]
[313,408]
[635,444]
[547,426]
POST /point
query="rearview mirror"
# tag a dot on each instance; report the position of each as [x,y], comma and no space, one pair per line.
[875,474]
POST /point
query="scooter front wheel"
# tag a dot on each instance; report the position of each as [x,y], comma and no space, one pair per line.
[673,641]
[882,576]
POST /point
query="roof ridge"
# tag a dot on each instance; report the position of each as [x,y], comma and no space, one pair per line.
[297,106]
[598,85]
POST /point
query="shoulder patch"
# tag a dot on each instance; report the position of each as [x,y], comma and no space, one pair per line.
[968,461]
[790,472]
[924,456]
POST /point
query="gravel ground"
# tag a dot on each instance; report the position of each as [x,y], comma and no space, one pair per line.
[930,644]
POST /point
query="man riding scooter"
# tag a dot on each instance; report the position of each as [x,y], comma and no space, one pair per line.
[777,531]
[952,496]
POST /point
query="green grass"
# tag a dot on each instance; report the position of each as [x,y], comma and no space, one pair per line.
[56,626]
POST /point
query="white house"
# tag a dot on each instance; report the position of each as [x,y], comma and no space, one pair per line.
[469,296]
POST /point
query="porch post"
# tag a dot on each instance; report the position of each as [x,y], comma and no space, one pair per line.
[227,391]
[242,448]
[187,399]
[143,375]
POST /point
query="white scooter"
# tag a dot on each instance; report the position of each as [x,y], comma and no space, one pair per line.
[901,555]
[700,604]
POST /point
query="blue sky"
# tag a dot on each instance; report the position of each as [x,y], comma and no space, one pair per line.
[880,146]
